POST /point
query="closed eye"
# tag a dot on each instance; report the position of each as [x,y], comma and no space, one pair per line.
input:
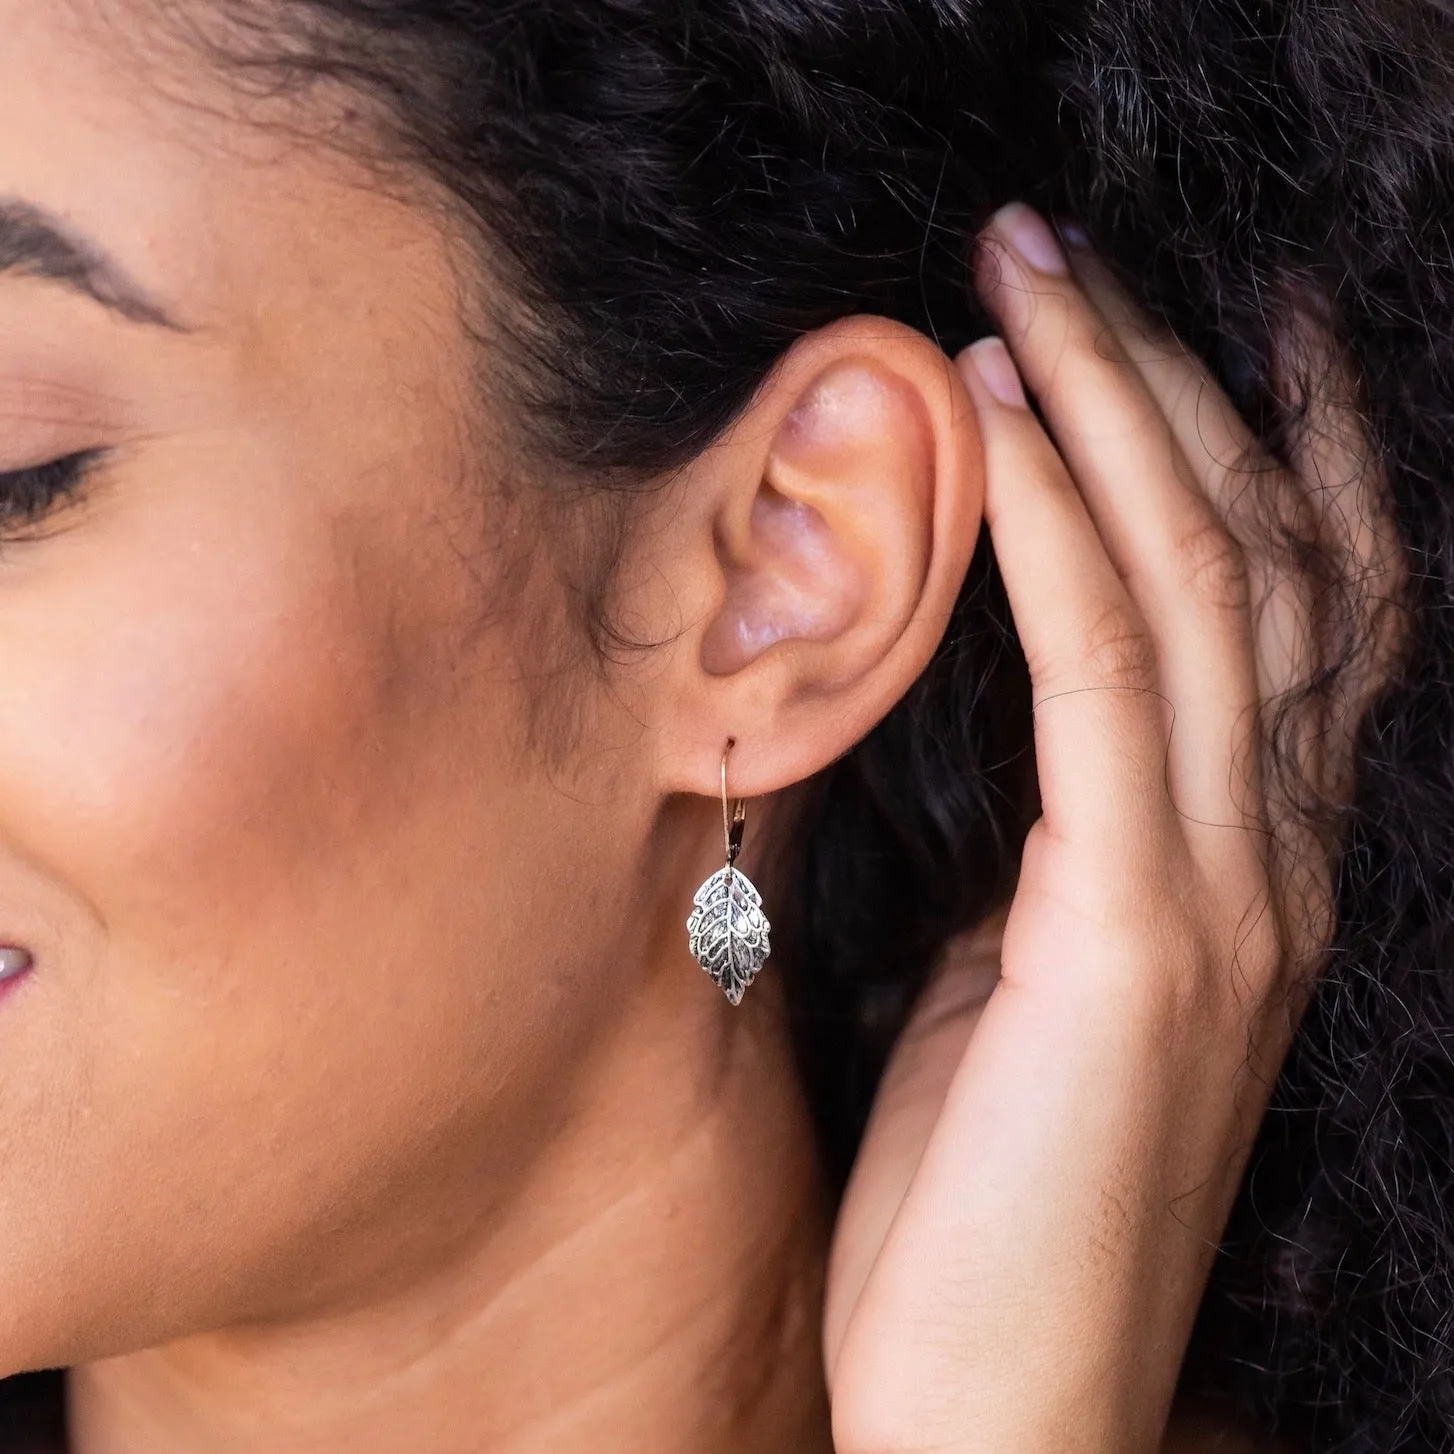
[27,496]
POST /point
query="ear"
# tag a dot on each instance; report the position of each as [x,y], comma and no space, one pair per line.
[814,557]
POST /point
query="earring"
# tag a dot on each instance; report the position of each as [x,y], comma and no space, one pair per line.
[727,931]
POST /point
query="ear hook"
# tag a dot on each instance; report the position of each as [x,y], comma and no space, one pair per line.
[734,813]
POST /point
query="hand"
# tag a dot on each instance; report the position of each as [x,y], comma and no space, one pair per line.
[1034,1287]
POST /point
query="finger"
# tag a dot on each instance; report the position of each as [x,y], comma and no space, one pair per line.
[1100,718]
[1349,518]
[1249,491]
[1225,457]
[1185,573]
[1332,497]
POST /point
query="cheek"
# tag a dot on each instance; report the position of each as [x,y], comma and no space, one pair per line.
[234,779]
[191,723]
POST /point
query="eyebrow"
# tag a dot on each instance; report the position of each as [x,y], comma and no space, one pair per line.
[37,245]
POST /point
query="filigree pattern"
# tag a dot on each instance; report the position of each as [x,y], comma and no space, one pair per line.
[728,933]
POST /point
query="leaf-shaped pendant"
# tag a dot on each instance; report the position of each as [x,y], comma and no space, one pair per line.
[728,932]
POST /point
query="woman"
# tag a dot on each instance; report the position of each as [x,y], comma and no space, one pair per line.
[454,450]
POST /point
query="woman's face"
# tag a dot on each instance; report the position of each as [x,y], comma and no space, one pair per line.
[304,906]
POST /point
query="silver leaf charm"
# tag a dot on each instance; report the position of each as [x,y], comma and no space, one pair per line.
[728,932]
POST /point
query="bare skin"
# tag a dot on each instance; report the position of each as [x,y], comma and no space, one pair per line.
[1032,1221]
[702,1332]
[362,1093]
[911,1101]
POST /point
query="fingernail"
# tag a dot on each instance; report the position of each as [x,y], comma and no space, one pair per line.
[1074,236]
[1030,235]
[992,362]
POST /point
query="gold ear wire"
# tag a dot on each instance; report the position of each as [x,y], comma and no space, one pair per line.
[734,819]
[727,932]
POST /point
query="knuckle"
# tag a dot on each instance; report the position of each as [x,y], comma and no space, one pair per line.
[1211,570]
[1118,652]
[1260,949]
[1245,961]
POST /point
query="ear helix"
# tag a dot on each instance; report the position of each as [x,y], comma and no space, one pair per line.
[727,932]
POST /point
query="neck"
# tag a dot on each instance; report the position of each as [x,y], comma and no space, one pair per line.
[654,1287]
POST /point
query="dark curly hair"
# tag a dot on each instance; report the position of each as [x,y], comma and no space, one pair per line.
[670,192]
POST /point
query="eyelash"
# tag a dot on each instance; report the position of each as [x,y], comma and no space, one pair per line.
[28,496]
